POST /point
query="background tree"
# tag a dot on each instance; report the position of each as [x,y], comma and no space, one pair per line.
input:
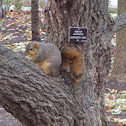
[37,99]
[119,68]
[3,8]
[35,20]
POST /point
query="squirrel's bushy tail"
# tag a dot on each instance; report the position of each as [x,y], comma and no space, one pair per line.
[74,58]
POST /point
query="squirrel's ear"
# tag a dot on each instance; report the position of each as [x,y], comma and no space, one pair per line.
[36,45]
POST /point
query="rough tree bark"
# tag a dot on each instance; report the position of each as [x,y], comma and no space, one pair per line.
[35,20]
[37,99]
[119,68]
[33,97]
[60,15]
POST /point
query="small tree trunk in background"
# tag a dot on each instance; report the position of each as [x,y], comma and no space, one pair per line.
[119,68]
[35,20]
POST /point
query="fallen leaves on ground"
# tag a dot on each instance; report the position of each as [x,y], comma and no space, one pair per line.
[16,24]
[116,104]
[17,27]
[121,122]
[17,47]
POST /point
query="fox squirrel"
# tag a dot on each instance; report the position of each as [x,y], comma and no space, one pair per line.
[73,57]
[46,55]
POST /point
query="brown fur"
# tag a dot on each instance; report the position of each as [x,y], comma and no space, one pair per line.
[73,57]
[46,55]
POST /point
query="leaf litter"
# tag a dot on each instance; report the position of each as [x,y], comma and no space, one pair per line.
[115,103]
[16,33]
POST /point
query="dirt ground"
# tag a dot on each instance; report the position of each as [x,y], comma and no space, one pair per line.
[7,119]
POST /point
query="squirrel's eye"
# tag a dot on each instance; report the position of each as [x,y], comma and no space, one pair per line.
[31,49]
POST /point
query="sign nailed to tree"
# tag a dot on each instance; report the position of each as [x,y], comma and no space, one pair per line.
[77,34]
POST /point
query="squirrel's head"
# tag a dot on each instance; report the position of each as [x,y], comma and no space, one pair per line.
[31,50]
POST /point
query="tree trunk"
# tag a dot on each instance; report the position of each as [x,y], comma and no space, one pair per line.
[35,20]
[93,15]
[37,99]
[119,68]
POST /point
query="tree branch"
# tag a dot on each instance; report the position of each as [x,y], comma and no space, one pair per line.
[40,99]
[119,23]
